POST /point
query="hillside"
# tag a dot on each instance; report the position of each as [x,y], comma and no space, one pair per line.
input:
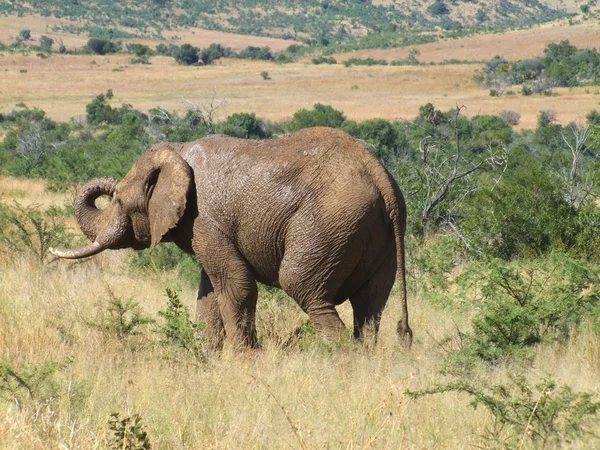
[362,24]
[514,45]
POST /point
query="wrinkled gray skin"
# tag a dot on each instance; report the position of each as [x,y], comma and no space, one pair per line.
[312,213]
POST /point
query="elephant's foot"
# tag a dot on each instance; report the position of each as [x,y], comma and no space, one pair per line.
[327,322]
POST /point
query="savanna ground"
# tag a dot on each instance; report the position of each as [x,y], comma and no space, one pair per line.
[296,392]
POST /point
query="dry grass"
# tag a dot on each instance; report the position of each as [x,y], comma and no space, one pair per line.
[513,45]
[345,397]
[63,85]
[10,26]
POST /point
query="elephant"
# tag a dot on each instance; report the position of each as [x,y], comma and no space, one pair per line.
[312,213]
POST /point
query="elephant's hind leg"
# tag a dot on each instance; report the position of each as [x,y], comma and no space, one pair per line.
[370,299]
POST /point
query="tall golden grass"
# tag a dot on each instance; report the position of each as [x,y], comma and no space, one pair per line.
[311,397]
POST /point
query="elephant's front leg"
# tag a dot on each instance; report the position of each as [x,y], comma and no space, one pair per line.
[207,311]
[237,295]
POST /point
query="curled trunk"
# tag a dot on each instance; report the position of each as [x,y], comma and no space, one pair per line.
[91,220]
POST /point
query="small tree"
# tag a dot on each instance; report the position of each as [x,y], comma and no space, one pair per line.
[320,115]
[46,43]
[25,34]
[187,55]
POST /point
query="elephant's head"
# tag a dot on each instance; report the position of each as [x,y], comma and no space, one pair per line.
[145,205]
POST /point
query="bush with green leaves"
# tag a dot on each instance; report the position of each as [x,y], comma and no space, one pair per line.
[121,318]
[321,115]
[187,55]
[245,125]
[167,256]
[21,383]
[179,330]
[523,215]
[524,304]
[127,433]
[544,413]
[32,230]
[102,46]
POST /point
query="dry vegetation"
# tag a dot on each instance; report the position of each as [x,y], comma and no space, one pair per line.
[513,45]
[10,26]
[63,85]
[311,396]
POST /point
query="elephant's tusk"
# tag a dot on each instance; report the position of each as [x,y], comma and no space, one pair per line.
[77,253]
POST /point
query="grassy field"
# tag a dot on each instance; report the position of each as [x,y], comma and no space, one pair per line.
[513,44]
[307,395]
[63,85]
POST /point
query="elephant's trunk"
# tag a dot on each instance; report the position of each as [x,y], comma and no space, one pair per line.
[91,220]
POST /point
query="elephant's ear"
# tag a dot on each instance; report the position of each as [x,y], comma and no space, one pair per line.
[169,185]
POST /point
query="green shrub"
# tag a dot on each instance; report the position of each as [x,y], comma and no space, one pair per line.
[127,433]
[102,46]
[529,303]
[29,229]
[545,413]
[167,256]
[320,115]
[186,55]
[122,318]
[525,214]
[29,381]
[178,329]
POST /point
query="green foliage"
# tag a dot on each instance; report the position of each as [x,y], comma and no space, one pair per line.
[364,62]
[46,43]
[265,75]
[324,60]
[29,381]
[526,304]
[213,52]
[25,34]
[384,138]
[438,8]
[320,115]
[525,214]
[127,433]
[545,413]
[179,330]
[167,256]
[31,230]
[139,50]
[562,65]
[122,318]
[102,46]
[186,55]
[245,125]
[258,53]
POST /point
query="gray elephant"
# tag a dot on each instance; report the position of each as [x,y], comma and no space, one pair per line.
[312,213]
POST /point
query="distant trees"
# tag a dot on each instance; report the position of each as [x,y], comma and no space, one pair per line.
[102,46]
[187,55]
[438,8]
[562,65]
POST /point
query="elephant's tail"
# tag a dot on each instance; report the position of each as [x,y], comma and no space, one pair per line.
[396,211]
